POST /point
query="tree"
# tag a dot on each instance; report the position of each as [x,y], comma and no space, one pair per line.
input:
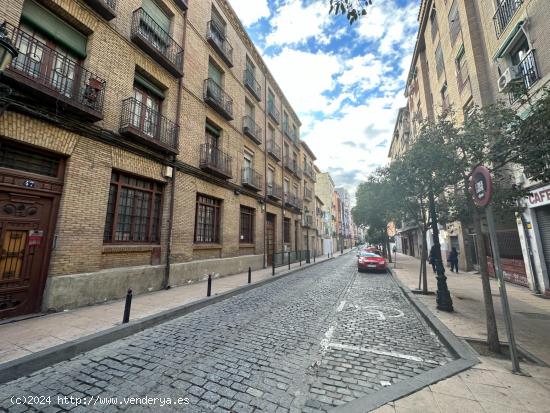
[353,9]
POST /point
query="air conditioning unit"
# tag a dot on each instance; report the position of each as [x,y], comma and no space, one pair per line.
[511,75]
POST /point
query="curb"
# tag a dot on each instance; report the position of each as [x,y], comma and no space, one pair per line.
[466,358]
[30,363]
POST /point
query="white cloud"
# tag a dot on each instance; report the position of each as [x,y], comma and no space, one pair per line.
[304,76]
[295,23]
[391,25]
[250,11]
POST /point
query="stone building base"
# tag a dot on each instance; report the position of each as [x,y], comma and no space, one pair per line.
[78,290]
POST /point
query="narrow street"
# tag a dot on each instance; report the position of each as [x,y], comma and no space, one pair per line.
[307,342]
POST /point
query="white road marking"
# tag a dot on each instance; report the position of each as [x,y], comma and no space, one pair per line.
[341,306]
[374,351]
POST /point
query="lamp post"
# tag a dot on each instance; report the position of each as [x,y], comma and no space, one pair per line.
[444,301]
[306,211]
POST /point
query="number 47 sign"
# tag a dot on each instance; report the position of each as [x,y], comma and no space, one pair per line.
[35,237]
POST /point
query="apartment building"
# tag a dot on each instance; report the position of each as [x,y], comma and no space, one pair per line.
[474,53]
[517,35]
[117,173]
[324,189]
[309,233]
[346,221]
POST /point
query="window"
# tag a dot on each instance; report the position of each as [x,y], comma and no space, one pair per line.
[286,230]
[25,159]
[157,14]
[218,25]
[454,22]
[285,122]
[462,75]
[207,219]
[270,176]
[286,186]
[295,132]
[215,73]
[295,190]
[271,133]
[445,97]
[247,225]
[146,111]
[439,64]
[433,22]
[249,109]
[133,209]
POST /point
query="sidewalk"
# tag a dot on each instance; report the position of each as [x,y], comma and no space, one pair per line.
[24,337]
[490,386]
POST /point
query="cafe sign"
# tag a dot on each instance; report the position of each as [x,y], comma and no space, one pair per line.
[539,197]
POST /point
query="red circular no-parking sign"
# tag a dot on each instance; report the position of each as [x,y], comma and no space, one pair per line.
[481,186]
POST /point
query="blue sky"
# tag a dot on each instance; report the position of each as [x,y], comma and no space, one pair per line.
[346,83]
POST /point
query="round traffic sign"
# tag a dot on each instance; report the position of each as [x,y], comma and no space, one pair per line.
[481,186]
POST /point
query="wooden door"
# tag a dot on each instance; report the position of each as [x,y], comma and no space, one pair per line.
[270,237]
[25,231]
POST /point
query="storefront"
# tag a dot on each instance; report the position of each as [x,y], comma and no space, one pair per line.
[534,228]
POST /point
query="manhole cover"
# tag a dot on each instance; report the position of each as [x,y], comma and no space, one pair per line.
[535,316]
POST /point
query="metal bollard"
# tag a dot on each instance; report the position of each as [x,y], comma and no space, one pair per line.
[300,257]
[209,286]
[127,307]
[314,255]
[289,260]
[273,265]
[249,275]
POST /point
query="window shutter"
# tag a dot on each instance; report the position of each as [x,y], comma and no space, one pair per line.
[148,85]
[157,14]
[44,21]
[215,74]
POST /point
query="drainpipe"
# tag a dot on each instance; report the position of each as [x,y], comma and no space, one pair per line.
[166,278]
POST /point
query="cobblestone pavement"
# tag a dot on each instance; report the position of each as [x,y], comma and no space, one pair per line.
[304,343]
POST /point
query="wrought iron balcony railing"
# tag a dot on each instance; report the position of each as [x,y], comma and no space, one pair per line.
[308,193]
[308,221]
[55,76]
[149,126]
[273,149]
[529,76]
[298,171]
[215,161]
[310,172]
[215,35]
[505,11]
[151,37]
[289,164]
[252,85]
[106,8]
[252,179]
[273,112]
[252,130]
[274,191]
[215,96]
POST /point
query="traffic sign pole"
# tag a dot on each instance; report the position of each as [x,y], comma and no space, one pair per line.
[482,191]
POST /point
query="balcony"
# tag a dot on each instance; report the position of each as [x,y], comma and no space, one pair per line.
[291,134]
[252,179]
[215,96]
[298,172]
[105,8]
[308,194]
[215,161]
[252,130]
[290,164]
[273,112]
[273,149]
[252,85]
[148,35]
[182,4]
[308,221]
[529,76]
[274,191]
[54,78]
[310,172]
[148,126]
[505,11]
[215,35]
[293,201]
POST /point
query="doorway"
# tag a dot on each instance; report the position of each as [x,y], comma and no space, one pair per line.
[270,237]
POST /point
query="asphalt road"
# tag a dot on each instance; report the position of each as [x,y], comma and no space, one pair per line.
[304,343]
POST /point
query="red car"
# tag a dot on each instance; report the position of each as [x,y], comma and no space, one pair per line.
[368,261]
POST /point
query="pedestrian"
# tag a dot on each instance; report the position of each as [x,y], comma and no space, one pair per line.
[453,259]
[431,258]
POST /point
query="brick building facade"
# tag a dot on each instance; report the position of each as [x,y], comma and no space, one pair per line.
[117,172]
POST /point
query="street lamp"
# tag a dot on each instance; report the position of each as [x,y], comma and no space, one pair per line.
[444,301]
[7,50]
[306,210]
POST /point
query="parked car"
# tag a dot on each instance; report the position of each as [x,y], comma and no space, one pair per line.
[372,249]
[369,261]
